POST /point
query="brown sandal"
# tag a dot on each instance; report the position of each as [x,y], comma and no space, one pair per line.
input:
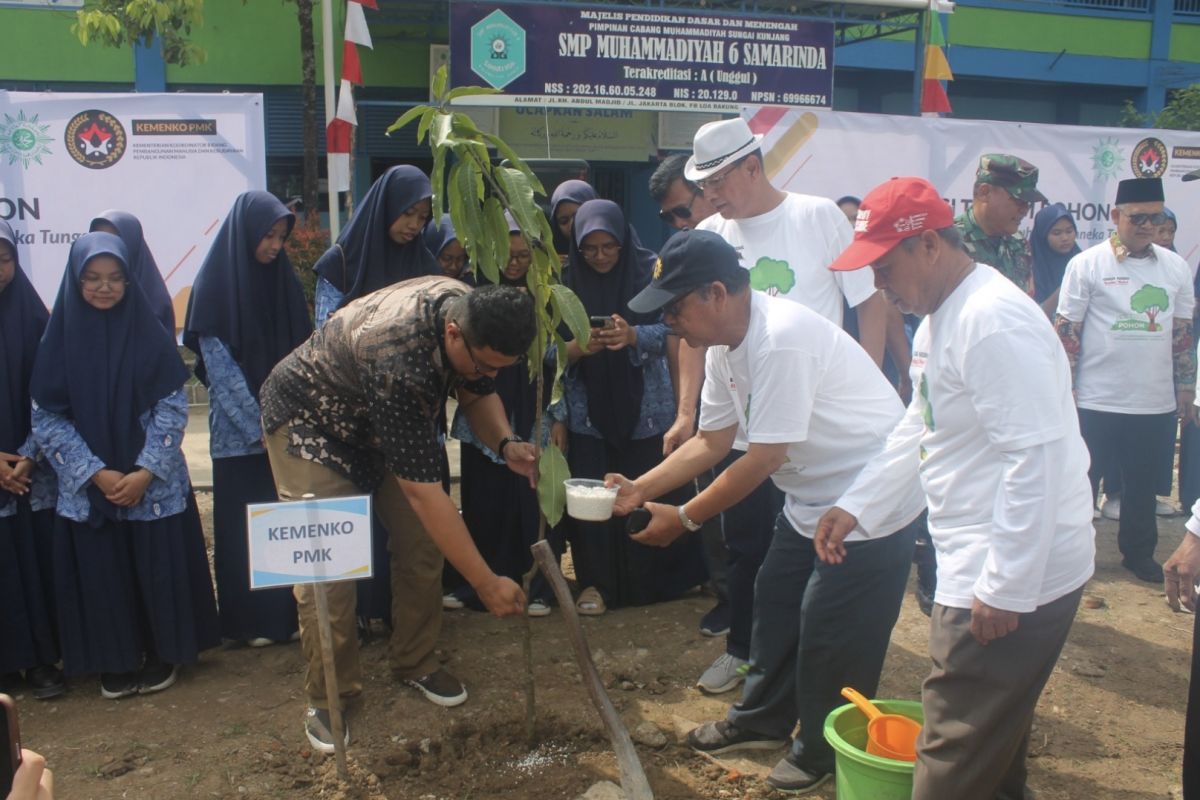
[590,603]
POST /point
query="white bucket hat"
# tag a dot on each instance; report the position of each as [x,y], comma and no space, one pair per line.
[717,144]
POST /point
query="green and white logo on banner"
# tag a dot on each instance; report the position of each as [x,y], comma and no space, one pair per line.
[24,139]
[498,49]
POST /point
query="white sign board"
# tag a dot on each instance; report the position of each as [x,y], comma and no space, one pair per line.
[833,153]
[309,541]
[175,161]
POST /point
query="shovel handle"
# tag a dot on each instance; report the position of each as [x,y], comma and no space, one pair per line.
[864,705]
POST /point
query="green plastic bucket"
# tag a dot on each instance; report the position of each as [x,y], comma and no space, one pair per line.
[860,775]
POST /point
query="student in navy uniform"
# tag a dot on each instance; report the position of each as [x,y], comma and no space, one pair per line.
[246,312]
[28,638]
[381,244]
[498,507]
[618,402]
[568,196]
[143,269]
[442,242]
[131,575]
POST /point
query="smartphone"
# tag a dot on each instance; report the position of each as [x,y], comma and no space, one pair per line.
[10,744]
[638,519]
[601,322]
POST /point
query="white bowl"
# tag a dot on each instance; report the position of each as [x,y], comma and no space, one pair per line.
[589,500]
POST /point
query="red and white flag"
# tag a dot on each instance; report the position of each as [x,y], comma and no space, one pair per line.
[340,129]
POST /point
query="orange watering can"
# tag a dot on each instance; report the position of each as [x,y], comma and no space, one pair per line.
[888,735]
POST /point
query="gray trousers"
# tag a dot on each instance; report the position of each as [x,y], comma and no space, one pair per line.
[819,627]
[979,702]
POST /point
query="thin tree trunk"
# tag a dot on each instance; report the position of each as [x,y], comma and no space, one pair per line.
[308,71]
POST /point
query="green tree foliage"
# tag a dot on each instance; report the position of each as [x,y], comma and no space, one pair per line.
[1181,113]
[1150,300]
[115,23]
[477,192]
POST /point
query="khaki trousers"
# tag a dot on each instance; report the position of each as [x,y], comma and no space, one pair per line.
[979,702]
[416,573]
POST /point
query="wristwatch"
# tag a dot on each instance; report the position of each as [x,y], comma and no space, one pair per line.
[686,521]
[505,442]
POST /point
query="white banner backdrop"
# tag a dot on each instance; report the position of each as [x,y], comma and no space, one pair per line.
[834,153]
[175,161]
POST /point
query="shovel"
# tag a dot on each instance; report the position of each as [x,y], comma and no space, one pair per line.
[888,735]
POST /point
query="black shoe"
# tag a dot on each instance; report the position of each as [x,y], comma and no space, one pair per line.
[716,621]
[924,600]
[157,675]
[115,685]
[725,737]
[440,688]
[45,681]
[788,777]
[1144,569]
[319,729]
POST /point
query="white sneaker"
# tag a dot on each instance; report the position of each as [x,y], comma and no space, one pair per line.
[451,603]
[1165,509]
[724,674]
[1095,513]
[537,608]
[1111,507]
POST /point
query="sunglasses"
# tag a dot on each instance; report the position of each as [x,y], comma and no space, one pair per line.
[683,212]
[1141,219]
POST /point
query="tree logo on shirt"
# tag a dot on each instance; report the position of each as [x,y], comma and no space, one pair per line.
[1149,300]
[772,276]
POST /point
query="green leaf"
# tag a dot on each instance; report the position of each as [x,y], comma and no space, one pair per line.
[552,494]
[497,232]
[573,312]
[423,125]
[520,199]
[437,177]
[470,222]
[406,117]
[439,130]
[470,91]
[438,85]
[464,126]
[515,160]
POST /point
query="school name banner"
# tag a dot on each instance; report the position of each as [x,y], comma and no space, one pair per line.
[644,57]
[839,153]
[309,541]
[176,161]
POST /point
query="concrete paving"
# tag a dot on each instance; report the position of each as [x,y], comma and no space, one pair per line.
[195,447]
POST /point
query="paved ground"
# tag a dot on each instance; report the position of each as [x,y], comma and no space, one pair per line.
[195,447]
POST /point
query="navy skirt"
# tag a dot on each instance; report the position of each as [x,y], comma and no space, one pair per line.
[130,589]
[265,613]
[28,635]
[625,572]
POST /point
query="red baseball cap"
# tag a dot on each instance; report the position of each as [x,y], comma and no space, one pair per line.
[889,214]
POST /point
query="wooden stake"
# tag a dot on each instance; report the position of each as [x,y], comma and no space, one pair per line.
[332,696]
[633,777]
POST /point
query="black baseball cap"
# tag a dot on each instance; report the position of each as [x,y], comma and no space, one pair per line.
[689,260]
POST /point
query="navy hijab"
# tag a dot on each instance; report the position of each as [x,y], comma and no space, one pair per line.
[104,369]
[1048,266]
[22,322]
[257,310]
[436,237]
[614,385]
[143,269]
[573,191]
[365,258]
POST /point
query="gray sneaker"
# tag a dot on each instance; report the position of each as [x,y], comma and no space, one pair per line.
[318,728]
[787,777]
[724,674]
[723,736]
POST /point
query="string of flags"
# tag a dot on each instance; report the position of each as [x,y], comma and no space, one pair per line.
[340,130]
[937,69]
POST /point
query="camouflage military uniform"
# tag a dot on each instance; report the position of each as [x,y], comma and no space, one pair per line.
[1009,254]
